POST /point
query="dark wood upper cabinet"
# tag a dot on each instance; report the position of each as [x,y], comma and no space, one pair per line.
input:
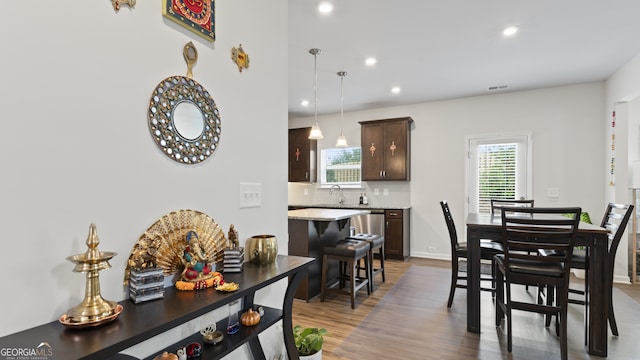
[302,156]
[386,148]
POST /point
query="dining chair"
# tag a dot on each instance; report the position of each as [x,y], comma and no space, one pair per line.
[498,204]
[615,219]
[525,230]
[488,249]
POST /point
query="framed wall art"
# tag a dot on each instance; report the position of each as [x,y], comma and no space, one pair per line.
[195,15]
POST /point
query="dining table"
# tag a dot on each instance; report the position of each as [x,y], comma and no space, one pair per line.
[593,237]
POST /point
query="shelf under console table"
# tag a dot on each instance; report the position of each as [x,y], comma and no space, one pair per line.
[139,322]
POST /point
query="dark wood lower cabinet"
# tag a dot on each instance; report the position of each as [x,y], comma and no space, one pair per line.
[396,234]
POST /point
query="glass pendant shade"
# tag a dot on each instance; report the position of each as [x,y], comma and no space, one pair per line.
[342,141]
[315,133]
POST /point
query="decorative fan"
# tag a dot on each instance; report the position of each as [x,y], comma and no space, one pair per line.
[162,243]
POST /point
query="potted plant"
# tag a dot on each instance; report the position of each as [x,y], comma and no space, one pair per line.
[309,342]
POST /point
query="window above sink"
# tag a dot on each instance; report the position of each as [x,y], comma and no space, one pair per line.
[340,166]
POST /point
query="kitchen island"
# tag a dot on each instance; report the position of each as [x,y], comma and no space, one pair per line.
[310,230]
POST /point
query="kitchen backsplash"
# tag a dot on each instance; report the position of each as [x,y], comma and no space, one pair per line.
[381,194]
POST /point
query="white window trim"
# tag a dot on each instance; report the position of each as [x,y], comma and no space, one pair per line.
[470,184]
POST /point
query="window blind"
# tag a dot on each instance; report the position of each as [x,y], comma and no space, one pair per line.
[497,173]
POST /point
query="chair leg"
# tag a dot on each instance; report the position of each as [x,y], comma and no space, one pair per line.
[382,261]
[352,282]
[612,317]
[499,297]
[493,278]
[369,262]
[550,292]
[612,321]
[454,280]
[564,301]
[509,320]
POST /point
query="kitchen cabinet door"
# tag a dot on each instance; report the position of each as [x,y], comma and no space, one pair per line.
[386,148]
[302,156]
[372,154]
[396,155]
[396,234]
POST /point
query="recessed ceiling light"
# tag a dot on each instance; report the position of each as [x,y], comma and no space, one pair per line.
[304,102]
[510,31]
[325,7]
[370,61]
[395,89]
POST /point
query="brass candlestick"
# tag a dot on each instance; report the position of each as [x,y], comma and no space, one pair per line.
[93,309]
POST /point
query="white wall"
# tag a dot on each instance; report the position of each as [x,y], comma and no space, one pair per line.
[76,148]
[567,126]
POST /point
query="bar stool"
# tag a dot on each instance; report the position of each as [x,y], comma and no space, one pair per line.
[347,252]
[375,242]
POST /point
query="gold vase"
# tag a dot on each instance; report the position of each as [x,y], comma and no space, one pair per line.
[263,249]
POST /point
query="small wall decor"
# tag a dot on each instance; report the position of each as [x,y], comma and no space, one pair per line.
[240,57]
[613,148]
[195,15]
[117,3]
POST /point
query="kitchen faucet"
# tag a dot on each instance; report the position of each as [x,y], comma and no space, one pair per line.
[341,197]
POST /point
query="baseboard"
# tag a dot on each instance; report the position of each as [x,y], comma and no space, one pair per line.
[621,279]
[429,255]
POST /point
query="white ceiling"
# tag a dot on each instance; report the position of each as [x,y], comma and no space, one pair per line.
[447,49]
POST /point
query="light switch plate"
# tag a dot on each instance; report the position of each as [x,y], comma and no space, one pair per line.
[250,195]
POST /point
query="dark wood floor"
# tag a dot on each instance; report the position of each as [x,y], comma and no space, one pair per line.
[445,335]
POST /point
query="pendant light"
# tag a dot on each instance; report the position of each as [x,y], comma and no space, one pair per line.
[342,141]
[316,133]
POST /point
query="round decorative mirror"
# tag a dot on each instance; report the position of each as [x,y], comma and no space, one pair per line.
[184,120]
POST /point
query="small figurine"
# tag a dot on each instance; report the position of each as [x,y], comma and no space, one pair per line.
[233,237]
[182,353]
[194,350]
[196,263]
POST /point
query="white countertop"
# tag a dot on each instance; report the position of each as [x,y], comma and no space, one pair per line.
[352,206]
[324,214]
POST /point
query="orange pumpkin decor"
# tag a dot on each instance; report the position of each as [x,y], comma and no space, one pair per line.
[250,318]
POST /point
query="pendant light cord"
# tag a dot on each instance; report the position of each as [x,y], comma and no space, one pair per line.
[315,85]
[342,74]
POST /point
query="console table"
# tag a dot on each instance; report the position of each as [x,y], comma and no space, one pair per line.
[139,322]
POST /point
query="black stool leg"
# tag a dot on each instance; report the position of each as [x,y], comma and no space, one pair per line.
[382,261]
[369,261]
[352,281]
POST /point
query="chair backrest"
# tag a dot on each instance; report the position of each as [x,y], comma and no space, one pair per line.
[453,235]
[498,204]
[615,220]
[528,229]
